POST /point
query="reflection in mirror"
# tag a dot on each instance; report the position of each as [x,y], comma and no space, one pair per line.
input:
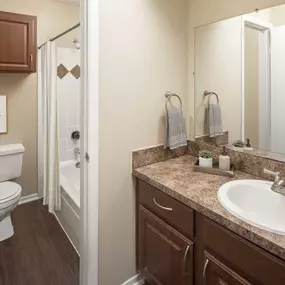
[242,60]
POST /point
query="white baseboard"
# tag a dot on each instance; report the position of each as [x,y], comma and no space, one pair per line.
[29,198]
[135,280]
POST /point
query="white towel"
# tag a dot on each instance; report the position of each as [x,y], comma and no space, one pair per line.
[215,126]
[175,135]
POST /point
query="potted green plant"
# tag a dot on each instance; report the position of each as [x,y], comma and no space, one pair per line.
[238,145]
[205,158]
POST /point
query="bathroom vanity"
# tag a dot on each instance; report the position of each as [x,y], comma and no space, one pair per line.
[184,235]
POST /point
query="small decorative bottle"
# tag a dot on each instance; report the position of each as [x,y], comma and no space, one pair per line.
[248,147]
[224,160]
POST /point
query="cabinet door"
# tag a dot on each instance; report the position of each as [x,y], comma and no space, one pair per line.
[18,47]
[165,256]
[217,273]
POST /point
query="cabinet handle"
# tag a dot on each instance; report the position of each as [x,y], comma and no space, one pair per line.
[185,260]
[31,60]
[205,269]
[162,207]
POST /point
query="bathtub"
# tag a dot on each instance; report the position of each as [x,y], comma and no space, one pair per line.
[69,215]
[70,180]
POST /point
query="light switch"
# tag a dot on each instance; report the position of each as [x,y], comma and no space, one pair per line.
[3,114]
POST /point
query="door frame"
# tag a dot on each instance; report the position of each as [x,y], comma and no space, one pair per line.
[89,185]
[264,85]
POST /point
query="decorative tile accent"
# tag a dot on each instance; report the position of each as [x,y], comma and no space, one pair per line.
[155,154]
[75,71]
[61,71]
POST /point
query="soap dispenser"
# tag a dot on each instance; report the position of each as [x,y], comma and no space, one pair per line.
[247,146]
[224,160]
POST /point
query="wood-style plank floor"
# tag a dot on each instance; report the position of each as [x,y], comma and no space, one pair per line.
[39,253]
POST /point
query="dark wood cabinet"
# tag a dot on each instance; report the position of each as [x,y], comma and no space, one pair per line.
[166,256]
[176,245]
[18,44]
[216,272]
[252,263]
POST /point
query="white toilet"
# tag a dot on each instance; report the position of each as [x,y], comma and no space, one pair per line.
[11,157]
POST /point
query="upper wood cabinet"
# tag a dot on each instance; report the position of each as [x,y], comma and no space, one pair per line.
[18,42]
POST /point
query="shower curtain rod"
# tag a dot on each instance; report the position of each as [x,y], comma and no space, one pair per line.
[62,34]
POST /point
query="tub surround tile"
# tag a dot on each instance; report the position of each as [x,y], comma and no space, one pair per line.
[154,154]
[68,89]
[61,71]
[177,178]
[75,71]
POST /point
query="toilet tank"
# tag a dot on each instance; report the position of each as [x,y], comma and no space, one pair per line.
[11,157]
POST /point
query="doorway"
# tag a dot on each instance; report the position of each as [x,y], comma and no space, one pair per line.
[256,82]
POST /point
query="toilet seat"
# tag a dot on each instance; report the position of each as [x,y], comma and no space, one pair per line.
[9,191]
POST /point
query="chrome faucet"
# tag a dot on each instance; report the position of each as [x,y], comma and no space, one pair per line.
[279,184]
[77,150]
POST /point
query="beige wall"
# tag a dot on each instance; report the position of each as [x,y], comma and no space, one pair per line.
[53,18]
[274,15]
[277,16]
[143,53]
[66,41]
[218,69]
[251,85]
[203,12]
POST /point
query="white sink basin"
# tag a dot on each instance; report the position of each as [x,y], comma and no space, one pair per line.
[254,202]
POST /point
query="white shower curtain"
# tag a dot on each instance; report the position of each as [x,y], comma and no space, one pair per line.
[48,128]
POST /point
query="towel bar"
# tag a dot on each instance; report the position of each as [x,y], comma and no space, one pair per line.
[206,93]
[168,95]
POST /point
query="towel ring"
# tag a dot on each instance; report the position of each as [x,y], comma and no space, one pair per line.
[168,95]
[208,93]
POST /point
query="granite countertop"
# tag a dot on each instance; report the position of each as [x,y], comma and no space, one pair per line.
[198,190]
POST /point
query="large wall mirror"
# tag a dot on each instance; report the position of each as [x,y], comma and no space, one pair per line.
[240,81]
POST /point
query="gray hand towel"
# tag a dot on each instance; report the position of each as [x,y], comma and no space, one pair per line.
[215,120]
[175,135]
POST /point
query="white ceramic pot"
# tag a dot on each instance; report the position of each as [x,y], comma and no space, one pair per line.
[205,162]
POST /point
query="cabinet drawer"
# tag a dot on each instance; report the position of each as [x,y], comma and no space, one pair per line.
[167,208]
[251,261]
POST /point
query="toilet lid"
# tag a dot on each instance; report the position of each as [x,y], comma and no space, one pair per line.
[9,190]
